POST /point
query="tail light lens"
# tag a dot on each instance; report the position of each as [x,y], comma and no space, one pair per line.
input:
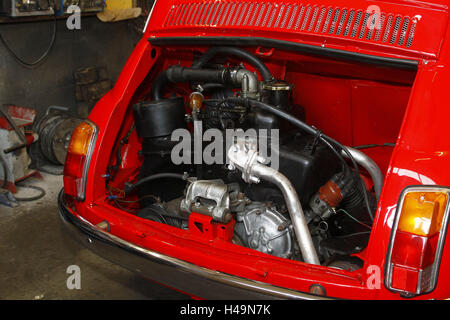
[78,159]
[417,239]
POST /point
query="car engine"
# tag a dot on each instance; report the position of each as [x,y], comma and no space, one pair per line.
[302,198]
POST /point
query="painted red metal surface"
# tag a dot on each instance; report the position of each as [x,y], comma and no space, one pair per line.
[421,155]
[23,116]
[407,28]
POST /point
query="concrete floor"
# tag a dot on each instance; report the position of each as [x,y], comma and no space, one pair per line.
[35,255]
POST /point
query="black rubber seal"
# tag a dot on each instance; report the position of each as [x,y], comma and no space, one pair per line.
[405,64]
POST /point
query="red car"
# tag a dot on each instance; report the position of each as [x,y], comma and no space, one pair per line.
[350,199]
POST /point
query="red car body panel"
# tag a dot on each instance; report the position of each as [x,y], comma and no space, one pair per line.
[421,155]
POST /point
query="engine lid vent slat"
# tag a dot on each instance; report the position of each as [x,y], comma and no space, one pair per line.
[380,27]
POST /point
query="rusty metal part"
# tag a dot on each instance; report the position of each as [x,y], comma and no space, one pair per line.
[331,194]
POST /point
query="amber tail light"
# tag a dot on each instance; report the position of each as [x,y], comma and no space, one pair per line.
[78,158]
[417,240]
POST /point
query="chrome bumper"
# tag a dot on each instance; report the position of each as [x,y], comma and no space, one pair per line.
[175,273]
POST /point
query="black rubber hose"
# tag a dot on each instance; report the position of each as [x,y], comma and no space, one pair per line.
[131,187]
[237,52]
[177,74]
[159,84]
[13,124]
[197,73]
[330,142]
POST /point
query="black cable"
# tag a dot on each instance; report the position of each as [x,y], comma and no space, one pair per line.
[131,187]
[33,64]
[42,193]
[367,146]
[33,198]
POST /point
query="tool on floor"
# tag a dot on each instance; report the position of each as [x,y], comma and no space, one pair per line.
[14,140]
[7,199]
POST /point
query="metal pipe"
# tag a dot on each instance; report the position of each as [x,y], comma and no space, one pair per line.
[367,163]
[294,207]
[196,103]
[247,80]
[245,157]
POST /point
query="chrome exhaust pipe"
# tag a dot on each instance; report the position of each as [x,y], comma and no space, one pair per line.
[253,168]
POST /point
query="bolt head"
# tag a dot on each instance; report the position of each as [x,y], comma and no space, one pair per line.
[261,160]
[255,180]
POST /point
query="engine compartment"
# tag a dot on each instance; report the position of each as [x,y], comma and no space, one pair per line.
[318,181]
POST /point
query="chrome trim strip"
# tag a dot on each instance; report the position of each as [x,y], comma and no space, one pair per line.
[149,17]
[175,273]
[87,161]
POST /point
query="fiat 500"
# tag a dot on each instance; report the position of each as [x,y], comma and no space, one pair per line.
[274,149]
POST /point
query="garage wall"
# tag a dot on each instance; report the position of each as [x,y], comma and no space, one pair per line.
[52,83]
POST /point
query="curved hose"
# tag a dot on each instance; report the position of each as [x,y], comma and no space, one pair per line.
[237,52]
[180,74]
[176,74]
[367,163]
[131,187]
